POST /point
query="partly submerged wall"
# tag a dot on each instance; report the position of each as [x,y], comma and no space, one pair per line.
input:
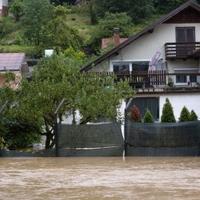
[163,139]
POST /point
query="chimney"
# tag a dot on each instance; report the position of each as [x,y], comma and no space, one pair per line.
[116,36]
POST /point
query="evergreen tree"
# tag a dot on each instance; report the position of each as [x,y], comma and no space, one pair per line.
[148,118]
[167,113]
[185,115]
[193,116]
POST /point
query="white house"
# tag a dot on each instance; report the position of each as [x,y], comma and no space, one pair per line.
[3,7]
[162,61]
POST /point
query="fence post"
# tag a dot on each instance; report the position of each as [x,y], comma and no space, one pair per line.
[125,130]
[56,128]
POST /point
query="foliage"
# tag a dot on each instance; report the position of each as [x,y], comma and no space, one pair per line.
[193,116]
[185,115]
[17,9]
[6,26]
[19,133]
[58,77]
[57,34]
[163,6]
[108,23]
[36,15]
[148,118]
[77,55]
[167,113]
[30,51]
[137,10]
[135,114]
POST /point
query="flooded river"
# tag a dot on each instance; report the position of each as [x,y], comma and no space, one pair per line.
[100,179]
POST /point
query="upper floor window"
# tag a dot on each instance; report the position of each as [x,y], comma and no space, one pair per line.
[185,34]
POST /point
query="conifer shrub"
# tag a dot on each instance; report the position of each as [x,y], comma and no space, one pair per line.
[167,113]
[185,115]
[193,116]
[135,114]
[148,118]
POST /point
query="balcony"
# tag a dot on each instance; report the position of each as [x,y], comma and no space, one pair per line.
[182,50]
[158,81]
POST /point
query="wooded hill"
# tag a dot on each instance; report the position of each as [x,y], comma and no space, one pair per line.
[35,25]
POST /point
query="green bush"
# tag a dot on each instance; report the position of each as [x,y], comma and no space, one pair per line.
[193,116]
[30,51]
[185,115]
[6,26]
[167,113]
[148,118]
[20,134]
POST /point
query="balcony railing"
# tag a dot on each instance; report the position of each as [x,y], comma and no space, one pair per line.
[157,79]
[182,50]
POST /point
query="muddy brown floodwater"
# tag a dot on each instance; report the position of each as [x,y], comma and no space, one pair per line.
[100,179]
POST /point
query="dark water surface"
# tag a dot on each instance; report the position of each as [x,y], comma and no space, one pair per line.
[99,178]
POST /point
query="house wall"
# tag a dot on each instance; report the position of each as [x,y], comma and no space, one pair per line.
[13,84]
[191,101]
[145,48]
[3,7]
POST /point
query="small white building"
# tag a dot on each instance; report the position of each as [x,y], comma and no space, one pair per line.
[3,7]
[162,61]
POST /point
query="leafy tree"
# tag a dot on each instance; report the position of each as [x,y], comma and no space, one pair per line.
[57,34]
[6,26]
[17,9]
[15,130]
[58,77]
[167,113]
[148,118]
[185,115]
[193,116]
[36,15]
[135,114]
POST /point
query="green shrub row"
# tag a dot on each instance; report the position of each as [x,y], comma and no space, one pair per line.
[167,114]
[136,115]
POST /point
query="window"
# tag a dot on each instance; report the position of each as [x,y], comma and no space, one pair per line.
[181,79]
[140,66]
[193,78]
[183,76]
[121,68]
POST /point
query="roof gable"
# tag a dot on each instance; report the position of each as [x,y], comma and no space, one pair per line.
[188,15]
[181,9]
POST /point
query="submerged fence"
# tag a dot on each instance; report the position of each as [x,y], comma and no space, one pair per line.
[90,140]
[162,139]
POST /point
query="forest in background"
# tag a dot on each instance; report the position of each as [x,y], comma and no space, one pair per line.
[33,26]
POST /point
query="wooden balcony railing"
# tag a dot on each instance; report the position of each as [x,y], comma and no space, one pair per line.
[155,79]
[181,50]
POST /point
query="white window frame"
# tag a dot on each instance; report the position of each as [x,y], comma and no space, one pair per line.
[112,62]
[187,77]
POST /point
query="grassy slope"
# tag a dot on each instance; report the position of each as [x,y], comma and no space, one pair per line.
[78,18]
